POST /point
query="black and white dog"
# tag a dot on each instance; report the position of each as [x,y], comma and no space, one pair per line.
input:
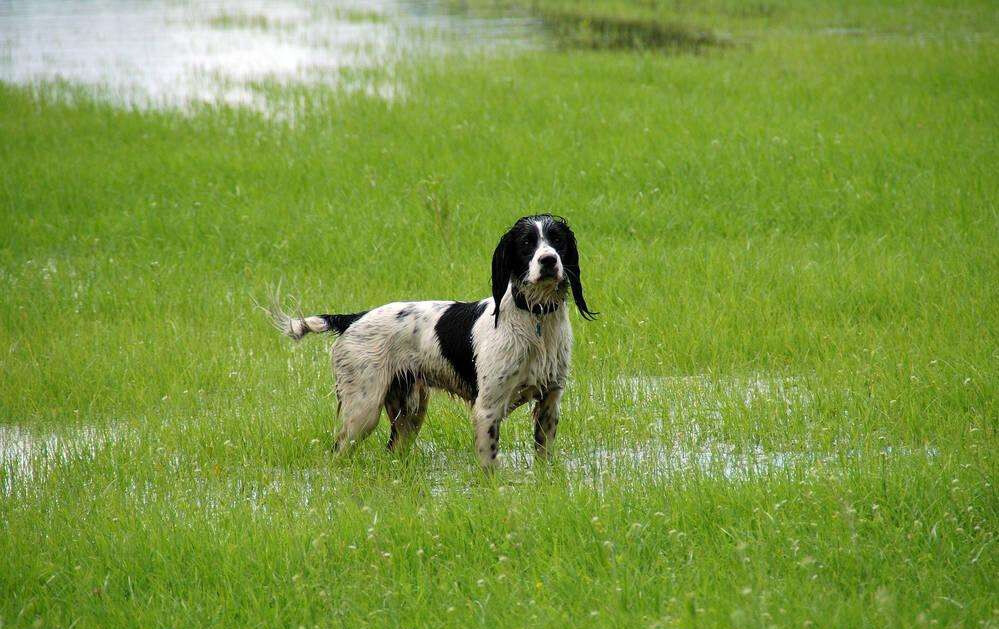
[497,353]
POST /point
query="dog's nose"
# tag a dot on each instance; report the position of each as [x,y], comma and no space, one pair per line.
[548,261]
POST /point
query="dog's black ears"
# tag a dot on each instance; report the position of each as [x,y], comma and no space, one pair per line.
[502,272]
[570,262]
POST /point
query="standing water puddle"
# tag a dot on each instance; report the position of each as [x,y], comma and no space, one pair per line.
[689,404]
[25,454]
[169,53]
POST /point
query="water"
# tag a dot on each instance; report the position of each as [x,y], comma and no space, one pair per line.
[704,396]
[26,455]
[689,403]
[166,53]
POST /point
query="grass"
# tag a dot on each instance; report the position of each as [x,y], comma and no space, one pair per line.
[241,20]
[792,245]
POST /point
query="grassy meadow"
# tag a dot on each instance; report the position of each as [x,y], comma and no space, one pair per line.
[785,415]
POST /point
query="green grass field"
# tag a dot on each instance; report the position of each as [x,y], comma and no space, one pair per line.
[786,414]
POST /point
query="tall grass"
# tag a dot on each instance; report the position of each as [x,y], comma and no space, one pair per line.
[793,248]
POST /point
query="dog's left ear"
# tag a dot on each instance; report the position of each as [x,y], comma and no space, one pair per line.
[570,262]
[502,272]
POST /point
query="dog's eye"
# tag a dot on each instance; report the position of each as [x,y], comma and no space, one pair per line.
[555,240]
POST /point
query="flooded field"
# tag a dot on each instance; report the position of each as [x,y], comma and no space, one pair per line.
[164,53]
[783,416]
[677,442]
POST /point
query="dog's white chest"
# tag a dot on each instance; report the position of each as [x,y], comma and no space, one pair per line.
[546,354]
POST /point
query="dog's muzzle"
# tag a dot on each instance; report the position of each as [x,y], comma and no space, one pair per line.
[548,267]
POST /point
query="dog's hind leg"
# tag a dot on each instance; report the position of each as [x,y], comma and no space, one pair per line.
[406,405]
[359,417]
[360,396]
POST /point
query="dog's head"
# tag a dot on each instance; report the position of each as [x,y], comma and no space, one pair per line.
[538,254]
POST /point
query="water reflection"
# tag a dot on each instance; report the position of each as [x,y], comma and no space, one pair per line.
[163,53]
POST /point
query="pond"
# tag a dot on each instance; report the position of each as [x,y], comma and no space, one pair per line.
[162,53]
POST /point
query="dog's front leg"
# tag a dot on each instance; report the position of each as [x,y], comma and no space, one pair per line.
[487,413]
[546,422]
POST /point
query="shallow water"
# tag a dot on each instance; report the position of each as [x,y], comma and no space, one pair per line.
[786,390]
[170,53]
[26,454]
[690,403]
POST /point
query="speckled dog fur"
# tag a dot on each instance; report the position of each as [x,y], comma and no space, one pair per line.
[495,358]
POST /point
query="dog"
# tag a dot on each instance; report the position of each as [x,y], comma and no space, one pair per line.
[497,353]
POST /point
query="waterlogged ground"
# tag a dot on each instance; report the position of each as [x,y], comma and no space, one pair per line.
[235,52]
[682,441]
[785,415]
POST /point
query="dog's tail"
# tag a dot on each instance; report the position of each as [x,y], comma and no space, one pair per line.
[297,327]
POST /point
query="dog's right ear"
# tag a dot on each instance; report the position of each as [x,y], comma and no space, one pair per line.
[502,272]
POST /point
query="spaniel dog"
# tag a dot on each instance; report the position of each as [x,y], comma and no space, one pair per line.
[496,353]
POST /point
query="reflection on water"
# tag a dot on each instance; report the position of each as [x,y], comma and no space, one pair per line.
[169,53]
[27,455]
[694,403]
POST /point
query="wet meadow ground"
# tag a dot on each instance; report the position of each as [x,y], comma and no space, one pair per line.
[785,414]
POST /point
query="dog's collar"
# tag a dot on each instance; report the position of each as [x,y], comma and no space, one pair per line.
[539,309]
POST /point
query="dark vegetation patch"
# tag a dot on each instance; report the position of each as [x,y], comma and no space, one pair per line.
[583,30]
[242,20]
[610,26]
